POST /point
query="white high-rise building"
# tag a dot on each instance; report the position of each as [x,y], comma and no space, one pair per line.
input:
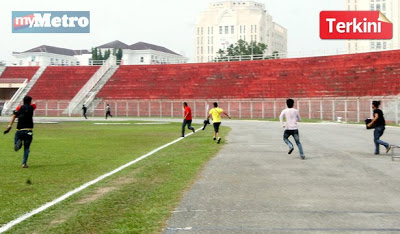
[224,23]
[391,9]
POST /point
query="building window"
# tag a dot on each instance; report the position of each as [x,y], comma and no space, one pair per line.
[244,28]
[372,8]
[251,28]
[378,7]
[372,45]
[255,28]
[201,30]
[384,45]
[240,28]
[212,30]
[141,59]
[383,6]
[232,29]
[226,29]
[208,30]
[220,29]
[378,45]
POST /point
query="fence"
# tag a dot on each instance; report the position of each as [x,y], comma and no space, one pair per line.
[348,109]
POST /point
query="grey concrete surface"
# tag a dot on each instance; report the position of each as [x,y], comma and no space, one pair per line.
[254,186]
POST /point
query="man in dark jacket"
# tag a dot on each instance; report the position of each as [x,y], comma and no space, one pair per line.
[24,133]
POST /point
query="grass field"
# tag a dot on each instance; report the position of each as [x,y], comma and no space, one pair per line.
[64,156]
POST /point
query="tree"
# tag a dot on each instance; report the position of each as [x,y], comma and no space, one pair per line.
[107,54]
[94,54]
[241,48]
[119,54]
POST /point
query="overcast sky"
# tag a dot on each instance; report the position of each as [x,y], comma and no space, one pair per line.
[168,23]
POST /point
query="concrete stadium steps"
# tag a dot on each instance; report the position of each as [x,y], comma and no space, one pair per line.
[19,72]
[61,83]
[366,74]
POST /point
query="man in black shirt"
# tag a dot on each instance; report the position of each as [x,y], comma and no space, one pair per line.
[84,108]
[379,124]
[24,133]
[108,111]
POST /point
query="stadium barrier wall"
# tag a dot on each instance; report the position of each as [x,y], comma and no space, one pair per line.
[331,109]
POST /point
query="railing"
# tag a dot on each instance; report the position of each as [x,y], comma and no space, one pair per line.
[248,57]
[351,109]
[91,83]
[102,62]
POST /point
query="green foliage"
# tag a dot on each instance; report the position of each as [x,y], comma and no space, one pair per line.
[243,48]
[107,54]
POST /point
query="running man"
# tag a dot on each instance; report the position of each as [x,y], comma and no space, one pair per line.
[215,113]
[187,119]
[292,117]
[24,133]
[108,111]
[84,109]
[379,124]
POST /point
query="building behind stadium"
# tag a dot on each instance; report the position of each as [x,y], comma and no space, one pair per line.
[391,9]
[224,23]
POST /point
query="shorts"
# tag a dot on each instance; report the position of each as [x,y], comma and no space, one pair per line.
[216,126]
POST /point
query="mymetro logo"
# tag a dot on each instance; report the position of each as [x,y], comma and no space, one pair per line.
[354,25]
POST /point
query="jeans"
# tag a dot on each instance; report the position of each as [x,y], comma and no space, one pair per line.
[188,123]
[295,134]
[26,136]
[378,132]
[108,113]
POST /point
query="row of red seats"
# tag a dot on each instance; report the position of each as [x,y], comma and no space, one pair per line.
[62,83]
[19,72]
[345,75]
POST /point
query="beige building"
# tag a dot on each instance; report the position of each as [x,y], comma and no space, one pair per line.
[391,9]
[224,23]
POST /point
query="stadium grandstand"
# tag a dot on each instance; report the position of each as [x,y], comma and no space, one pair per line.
[326,87]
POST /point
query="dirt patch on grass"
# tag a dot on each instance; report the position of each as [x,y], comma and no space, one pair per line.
[96,195]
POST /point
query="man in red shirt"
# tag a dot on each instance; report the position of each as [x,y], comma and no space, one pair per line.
[187,119]
[24,133]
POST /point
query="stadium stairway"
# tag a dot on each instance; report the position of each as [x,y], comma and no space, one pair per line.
[2,68]
[18,97]
[89,91]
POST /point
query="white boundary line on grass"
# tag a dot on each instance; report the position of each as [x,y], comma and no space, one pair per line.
[22,218]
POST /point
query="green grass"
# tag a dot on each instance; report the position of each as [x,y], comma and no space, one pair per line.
[64,156]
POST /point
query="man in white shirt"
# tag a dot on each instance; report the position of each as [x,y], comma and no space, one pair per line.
[292,117]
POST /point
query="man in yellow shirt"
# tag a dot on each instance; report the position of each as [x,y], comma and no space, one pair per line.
[215,113]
